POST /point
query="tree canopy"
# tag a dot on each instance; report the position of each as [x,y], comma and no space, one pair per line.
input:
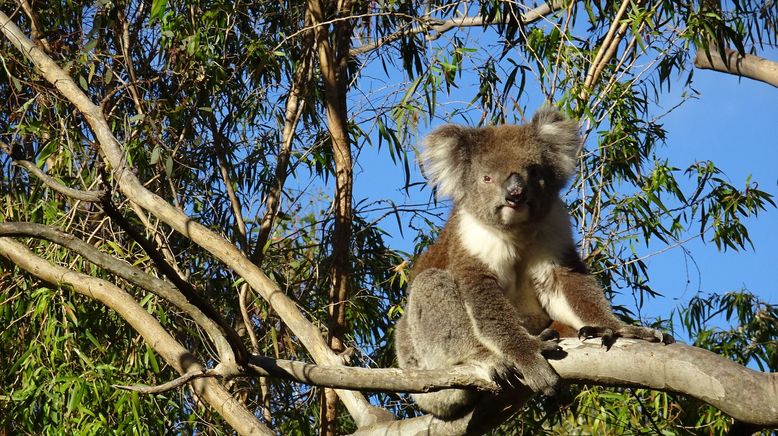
[190,188]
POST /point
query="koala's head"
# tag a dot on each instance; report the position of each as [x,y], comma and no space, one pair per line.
[504,175]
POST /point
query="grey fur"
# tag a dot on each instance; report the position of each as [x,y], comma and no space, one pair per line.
[505,264]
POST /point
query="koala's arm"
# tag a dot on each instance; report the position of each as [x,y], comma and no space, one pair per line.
[498,328]
[572,296]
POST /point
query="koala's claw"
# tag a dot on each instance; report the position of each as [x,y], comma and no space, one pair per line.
[588,332]
[549,342]
[502,372]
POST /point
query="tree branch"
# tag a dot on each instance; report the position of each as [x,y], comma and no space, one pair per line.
[178,357]
[123,269]
[168,386]
[372,379]
[746,65]
[333,64]
[308,334]
[744,394]
[429,25]
[239,354]
[88,196]
[295,103]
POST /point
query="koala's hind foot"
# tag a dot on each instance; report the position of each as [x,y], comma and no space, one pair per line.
[610,335]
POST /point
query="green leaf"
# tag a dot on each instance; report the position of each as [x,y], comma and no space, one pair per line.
[152,359]
[158,8]
[46,152]
[154,155]
[89,46]
[169,166]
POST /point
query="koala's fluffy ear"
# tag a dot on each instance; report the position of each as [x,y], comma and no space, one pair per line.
[561,135]
[446,156]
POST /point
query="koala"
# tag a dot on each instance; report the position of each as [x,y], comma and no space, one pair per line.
[505,265]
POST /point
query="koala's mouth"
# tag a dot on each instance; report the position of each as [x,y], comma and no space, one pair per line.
[515,202]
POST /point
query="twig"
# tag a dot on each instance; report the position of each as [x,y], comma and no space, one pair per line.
[89,196]
[239,351]
[429,25]
[124,270]
[168,386]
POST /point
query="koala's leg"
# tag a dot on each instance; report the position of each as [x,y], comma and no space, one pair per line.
[437,323]
[435,333]
[403,346]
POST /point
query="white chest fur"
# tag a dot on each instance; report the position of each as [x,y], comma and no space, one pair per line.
[508,259]
[493,248]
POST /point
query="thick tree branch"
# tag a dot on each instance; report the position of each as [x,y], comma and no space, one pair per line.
[372,379]
[332,47]
[744,394]
[308,334]
[746,65]
[436,28]
[240,418]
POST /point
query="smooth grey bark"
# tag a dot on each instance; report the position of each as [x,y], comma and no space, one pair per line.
[746,395]
[749,66]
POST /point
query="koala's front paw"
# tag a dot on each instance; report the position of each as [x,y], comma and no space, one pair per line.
[609,335]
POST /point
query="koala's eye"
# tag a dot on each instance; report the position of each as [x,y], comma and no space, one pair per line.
[487,179]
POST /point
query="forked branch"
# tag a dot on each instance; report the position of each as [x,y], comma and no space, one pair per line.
[178,357]
[129,185]
[434,29]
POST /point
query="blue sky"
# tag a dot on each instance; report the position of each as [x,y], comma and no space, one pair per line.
[731,123]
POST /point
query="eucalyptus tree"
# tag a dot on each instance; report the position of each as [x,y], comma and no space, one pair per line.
[183,195]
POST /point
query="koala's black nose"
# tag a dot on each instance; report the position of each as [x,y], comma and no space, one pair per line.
[513,188]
